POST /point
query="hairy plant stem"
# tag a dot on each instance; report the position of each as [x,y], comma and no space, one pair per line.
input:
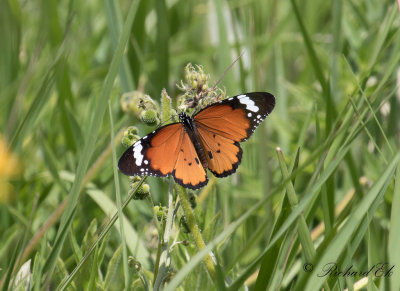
[163,258]
[159,249]
[194,229]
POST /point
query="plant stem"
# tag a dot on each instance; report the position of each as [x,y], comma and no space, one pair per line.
[163,259]
[194,229]
[159,249]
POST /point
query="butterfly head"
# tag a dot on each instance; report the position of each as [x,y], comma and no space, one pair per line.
[186,120]
[183,116]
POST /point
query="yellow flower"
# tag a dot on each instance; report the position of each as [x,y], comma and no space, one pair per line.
[9,168]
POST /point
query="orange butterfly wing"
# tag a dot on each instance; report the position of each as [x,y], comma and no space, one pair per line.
[188,171]
[223,125]
[166,151]
[151,155]
[223,154]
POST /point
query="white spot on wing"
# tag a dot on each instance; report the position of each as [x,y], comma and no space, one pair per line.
[249,114]
[250,105]
[137,148]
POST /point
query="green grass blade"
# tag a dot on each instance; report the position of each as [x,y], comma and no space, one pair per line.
[91,138]
[223,47]
[310,196]
[10,29]
[394,234]
[340,242]
[135,244]
[115,22]
[316,64]
[197,259]
[35,109]
[333,67]
[119,206]
[162,40]
[112,269]
[102,235]
[382,35]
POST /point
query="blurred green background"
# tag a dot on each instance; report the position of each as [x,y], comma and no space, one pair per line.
[334,69]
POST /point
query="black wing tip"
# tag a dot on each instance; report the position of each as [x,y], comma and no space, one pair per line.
[264,94]
[124,163]
[270,99]
[127,166]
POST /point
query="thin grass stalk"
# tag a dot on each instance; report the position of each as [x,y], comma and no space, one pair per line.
[306,201]
[56,214]
[102,235]
[87,150]
[303,231]
[119,206]
[361,212]
[394,234]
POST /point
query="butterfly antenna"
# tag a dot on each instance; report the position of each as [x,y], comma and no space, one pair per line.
[169,119]
[226,71]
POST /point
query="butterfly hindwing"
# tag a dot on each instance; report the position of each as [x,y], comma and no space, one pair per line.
[223,154]
[188,170]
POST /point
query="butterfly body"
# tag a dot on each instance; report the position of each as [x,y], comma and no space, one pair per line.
[207,140]
[189,125]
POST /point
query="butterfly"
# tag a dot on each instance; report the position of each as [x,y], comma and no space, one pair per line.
[208,139]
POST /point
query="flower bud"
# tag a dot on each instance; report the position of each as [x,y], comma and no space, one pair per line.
[142,192]
[149,117]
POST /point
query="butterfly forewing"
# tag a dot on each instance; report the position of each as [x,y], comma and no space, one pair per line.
[237,117]
[166,151]
[154,154]
[223,125]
